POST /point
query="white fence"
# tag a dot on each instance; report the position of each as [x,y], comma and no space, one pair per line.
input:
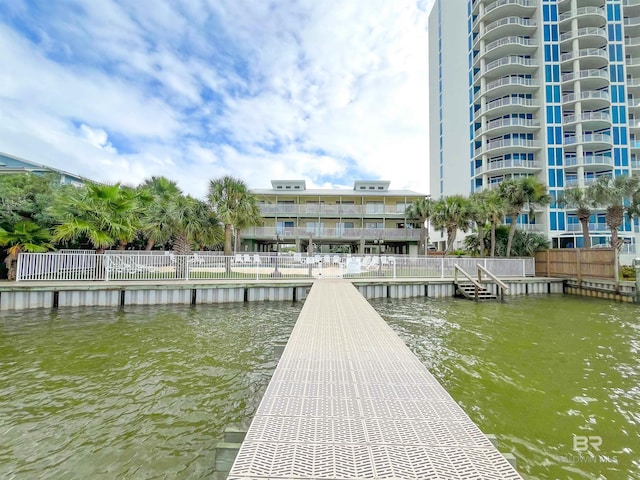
[202,266]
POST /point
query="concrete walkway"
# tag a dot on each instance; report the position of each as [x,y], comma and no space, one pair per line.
[349,400]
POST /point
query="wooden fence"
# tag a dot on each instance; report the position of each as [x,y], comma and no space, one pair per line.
[576,263]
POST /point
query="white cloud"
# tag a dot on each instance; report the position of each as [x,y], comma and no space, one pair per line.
[322,91]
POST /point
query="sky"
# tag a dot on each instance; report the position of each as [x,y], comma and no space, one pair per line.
[327,91]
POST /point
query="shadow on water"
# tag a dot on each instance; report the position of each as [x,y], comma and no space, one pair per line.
[141,392]
[556,378]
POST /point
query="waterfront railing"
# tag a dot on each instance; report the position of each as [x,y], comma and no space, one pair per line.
[56,266]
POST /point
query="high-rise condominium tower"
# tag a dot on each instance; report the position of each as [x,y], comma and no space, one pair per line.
[549,88]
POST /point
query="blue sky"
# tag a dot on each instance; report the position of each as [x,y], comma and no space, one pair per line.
[328,92]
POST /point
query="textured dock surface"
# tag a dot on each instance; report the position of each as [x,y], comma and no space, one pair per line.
[349,400]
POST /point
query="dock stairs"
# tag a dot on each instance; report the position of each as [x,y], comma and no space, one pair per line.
[472,289]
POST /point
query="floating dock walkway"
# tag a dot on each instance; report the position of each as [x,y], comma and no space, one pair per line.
[349,400]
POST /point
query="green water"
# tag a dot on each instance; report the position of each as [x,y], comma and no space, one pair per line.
[535,371]
[145,393]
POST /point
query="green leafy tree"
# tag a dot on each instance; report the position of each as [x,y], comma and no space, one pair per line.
[234,205]
[158,197]
[451,214]
[517,193]
[24,236]
[479,214]
[26,196]
[421,210]
[612,194]
[496,210]
[103,215]
[580,199]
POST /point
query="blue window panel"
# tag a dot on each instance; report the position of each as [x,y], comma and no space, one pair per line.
[559,135]
[623,135]
[550,115]
[550,135]
[553,220]
[616,136]
[614,114]
[625,157]
[547,33]
[560,177]
[547,73]
[561,225]
[552,177]
[551,160]
[614,95]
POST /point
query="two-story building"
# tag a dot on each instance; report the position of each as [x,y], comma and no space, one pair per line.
[365,219]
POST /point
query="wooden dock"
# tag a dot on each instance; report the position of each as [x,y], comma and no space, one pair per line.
[349,400]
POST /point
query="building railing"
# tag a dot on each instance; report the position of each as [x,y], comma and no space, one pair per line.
[593,227]
[523,22]
[319,233]
[502,164]
[592,73]
[82,267]
[582,11]
[329,210]
[581,32]
[588,160]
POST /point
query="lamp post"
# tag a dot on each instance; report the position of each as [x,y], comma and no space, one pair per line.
[276,272]
[379,241]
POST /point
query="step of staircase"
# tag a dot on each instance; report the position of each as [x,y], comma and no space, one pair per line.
[467,290]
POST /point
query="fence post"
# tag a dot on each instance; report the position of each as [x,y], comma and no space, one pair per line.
[394,268]
[19,266]
[524,267]
[186,270]
[442,267]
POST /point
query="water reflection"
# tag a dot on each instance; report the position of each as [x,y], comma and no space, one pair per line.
[542,373]
[138,393]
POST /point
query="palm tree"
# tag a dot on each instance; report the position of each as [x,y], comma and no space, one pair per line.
[480,215]
[451,214]
[421,210]
[580,199]
[233,204]
[24,236]
[496,210]
[104,215]
[517,193]
[158,196]
[611,194]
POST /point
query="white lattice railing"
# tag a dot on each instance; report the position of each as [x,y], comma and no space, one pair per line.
[63,267]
